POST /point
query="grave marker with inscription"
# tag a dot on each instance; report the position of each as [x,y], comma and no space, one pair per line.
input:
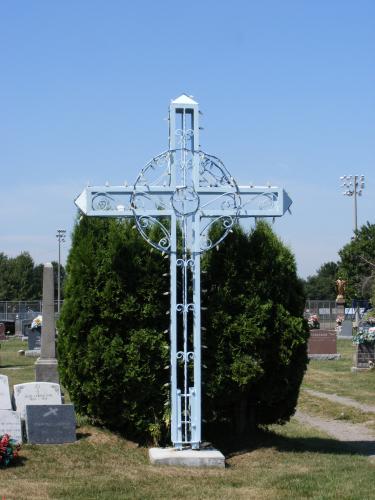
[50,424]
[36,393]
[5,402]
[10,423]
[322,344]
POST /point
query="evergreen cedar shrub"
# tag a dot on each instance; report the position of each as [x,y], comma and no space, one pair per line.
[113,351]
[256,336]
[111,344]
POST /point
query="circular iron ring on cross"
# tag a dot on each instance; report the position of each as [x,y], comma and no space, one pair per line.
[185,201]
[189,183]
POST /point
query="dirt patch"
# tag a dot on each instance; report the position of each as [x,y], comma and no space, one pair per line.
[357,436]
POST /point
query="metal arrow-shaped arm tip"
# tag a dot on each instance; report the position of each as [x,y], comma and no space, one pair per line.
[287,202]
[81,201]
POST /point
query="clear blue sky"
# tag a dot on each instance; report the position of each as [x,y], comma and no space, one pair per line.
[287,89]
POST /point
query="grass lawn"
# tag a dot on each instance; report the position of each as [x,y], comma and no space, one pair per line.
[286,462]
[335,377]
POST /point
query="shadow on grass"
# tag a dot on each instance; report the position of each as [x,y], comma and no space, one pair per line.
[17,462]
[14,367]
[268,439]
[83,435]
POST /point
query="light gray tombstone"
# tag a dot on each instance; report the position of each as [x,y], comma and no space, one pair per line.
[46,365]
[50,424]
[10,423]
[5,402]
[36,393]
[347,329]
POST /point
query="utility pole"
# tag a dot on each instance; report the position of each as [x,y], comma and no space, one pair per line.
[60,235]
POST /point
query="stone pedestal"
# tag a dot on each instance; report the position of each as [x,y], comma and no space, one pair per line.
[46,365]
[340,307]
[46,370]
[187,458]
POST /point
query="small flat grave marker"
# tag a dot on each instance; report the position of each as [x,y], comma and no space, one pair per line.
[10,423]
[36,393]
[5,402]
[50,424]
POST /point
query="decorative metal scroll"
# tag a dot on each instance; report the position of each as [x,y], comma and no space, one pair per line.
[213,191]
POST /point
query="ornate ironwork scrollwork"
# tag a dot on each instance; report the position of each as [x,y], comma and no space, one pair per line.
[102,201]
[186,357]
[213,174]
[146,224]
[185,307]
[185,263]
[155,230]
[261,201]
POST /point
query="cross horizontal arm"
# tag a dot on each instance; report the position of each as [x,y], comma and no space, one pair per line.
[115,201]
[257,201]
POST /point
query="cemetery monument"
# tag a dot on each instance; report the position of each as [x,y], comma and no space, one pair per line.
[46,365]
[179,196]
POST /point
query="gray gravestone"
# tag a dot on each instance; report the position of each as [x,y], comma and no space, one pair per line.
[33,339]
[46,365]
[5,402]
[36,393]
[50,424]
[364,356]
[347,328]
[10,423]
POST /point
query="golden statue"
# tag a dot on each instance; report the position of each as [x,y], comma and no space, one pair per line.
[340,285]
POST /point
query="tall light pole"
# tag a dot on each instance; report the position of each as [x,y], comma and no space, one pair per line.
[354,186]
[60,235]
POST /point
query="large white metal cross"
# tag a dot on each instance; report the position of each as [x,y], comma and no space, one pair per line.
[176,199]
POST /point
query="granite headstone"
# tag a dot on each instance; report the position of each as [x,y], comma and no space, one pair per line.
[33,339]
[322,344]
[5,402]
[364,356]
[36,393]
[347,329]
[50,424]
[10,423]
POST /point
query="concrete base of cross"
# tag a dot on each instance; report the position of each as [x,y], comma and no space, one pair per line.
[208,457]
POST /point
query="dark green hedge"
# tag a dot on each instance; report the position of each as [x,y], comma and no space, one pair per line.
[256,337]
[113,348]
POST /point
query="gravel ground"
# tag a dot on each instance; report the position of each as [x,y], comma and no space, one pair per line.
[357,436]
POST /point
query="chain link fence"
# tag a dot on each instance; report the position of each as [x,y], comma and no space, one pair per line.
[327,312]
